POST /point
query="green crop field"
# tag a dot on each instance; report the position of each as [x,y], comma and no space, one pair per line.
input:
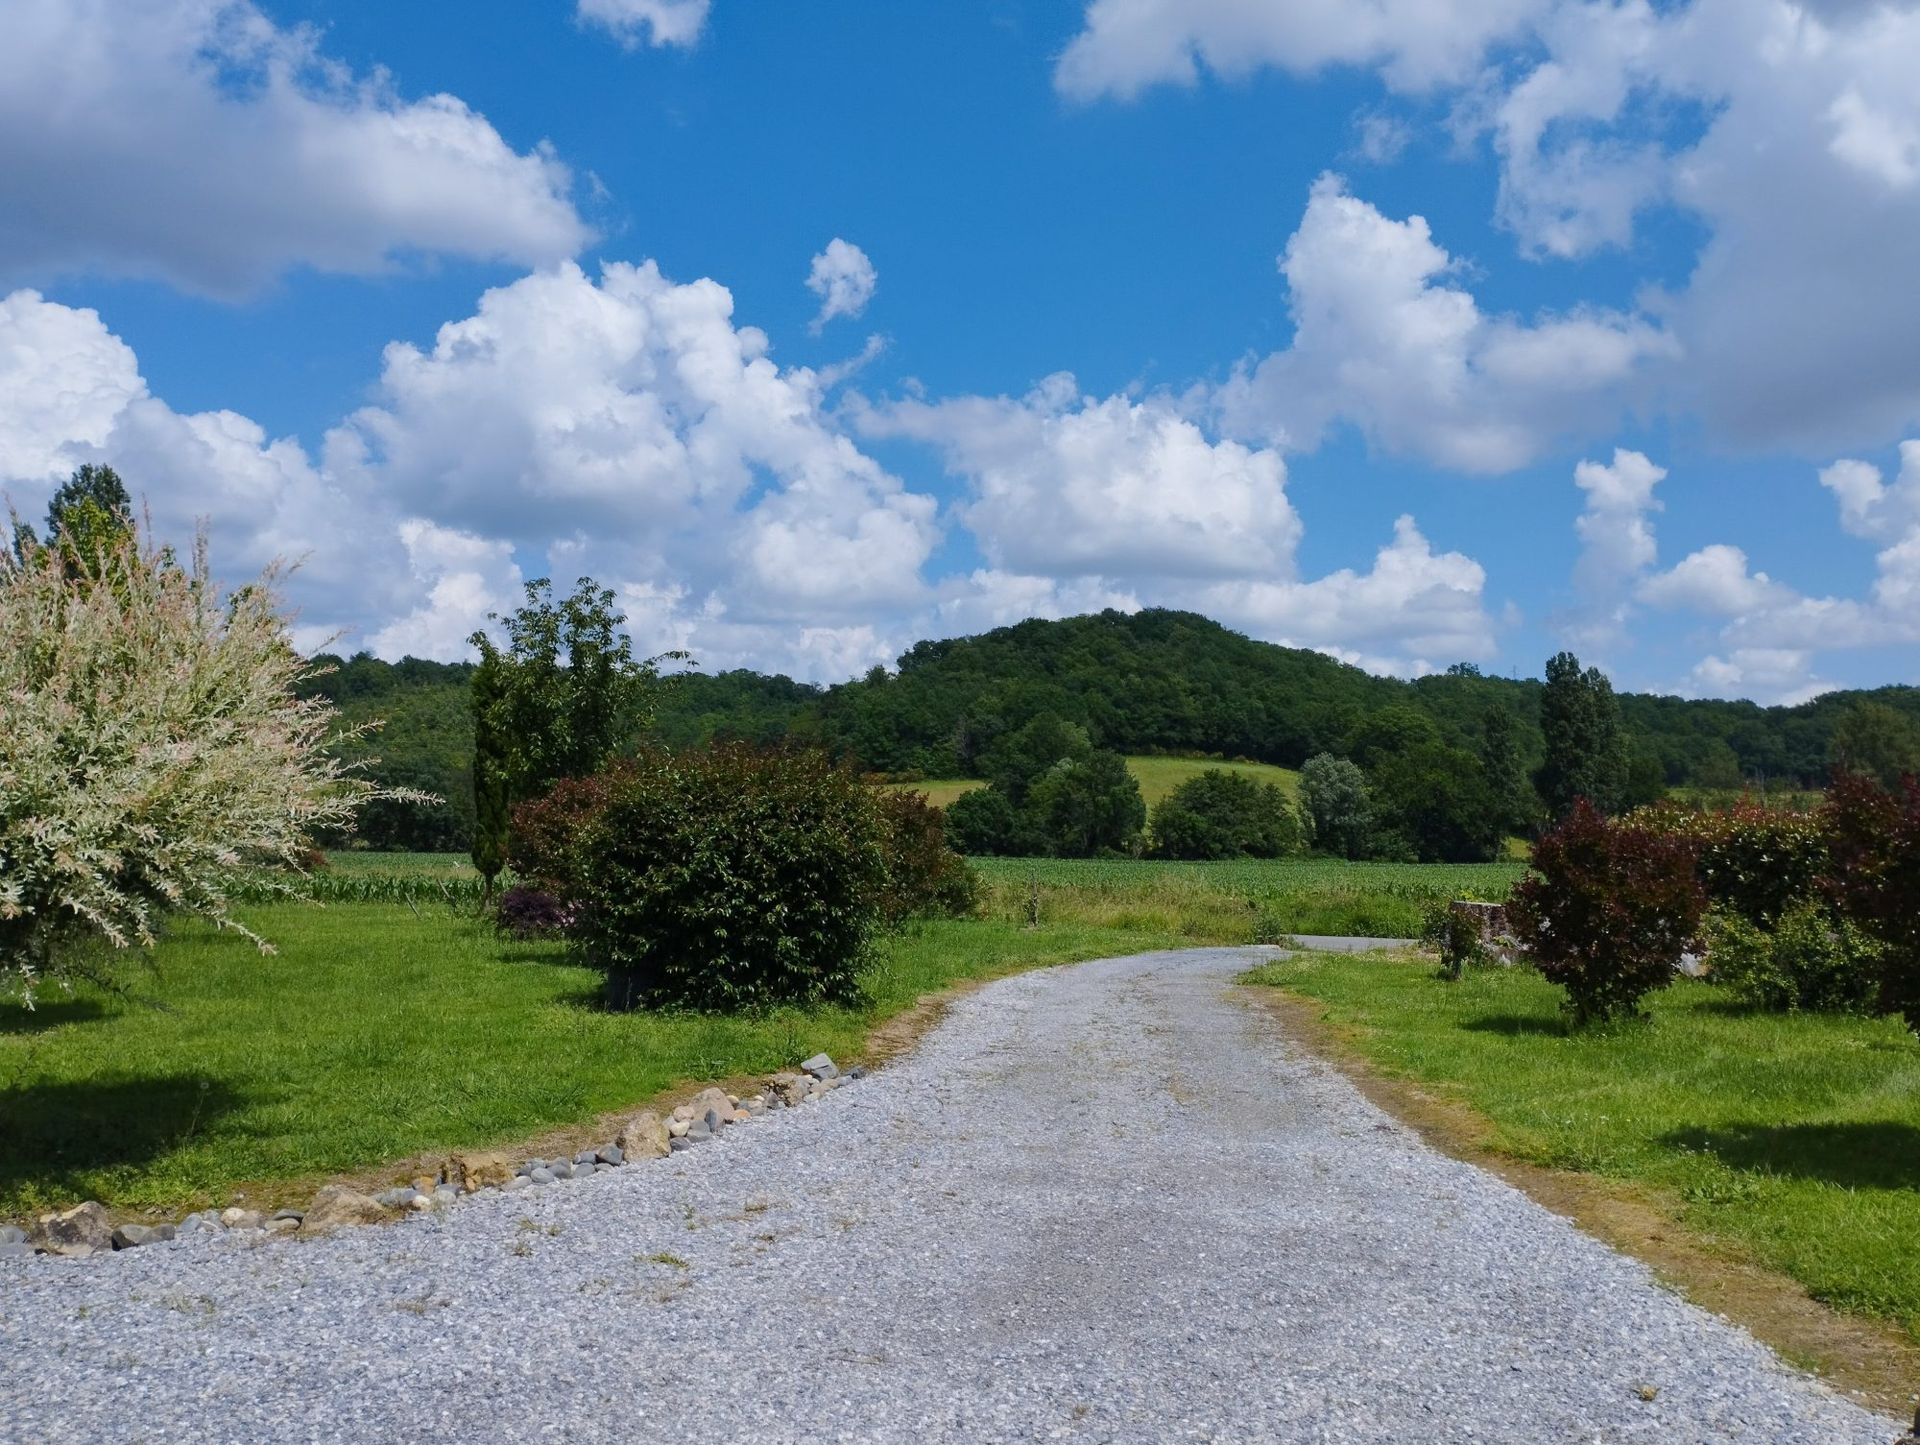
[1273,897]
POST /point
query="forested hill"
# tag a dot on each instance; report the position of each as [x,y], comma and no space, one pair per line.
[1139,682]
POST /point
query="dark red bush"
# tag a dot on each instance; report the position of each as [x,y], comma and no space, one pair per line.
[525,912]
[545,829]
[1607,911]
[925,878]
[1873,877]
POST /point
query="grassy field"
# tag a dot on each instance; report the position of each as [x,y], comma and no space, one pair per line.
[1270,898]
[1793,1138]
[1157,777]
[382,1031]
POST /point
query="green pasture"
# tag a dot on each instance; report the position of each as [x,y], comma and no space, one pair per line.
[1157,778]
[1794,1137]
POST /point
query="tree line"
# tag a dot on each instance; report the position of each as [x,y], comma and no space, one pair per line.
[1146,682]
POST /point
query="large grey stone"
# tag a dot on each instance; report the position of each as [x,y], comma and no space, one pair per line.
[821,1067]
[79,1231]
[612,1154]
[132,1236]
[540,1176]
[12,1234]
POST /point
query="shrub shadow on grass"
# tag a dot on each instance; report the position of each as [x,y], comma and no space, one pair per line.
[46,1015]
[1518,1026]
[53,1134]
[1854,1156]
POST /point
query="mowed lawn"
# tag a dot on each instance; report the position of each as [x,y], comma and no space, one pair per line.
[1157,778]
[383,1031]
[1794,1137]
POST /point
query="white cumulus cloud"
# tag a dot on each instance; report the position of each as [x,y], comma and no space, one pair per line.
[1382,340]
[1125,46]
[844,280]
[198,142]
[656,22]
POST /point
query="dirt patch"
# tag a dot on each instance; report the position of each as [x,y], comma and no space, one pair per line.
[1874,1363]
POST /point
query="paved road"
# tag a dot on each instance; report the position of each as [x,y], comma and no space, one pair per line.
[1102,1203]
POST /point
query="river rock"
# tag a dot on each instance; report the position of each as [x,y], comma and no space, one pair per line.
[132,1236]
[643,1137]
[712,1101]
[337,1206]
[821,1067]
[79,1231]
[12,1234]
[791,1088]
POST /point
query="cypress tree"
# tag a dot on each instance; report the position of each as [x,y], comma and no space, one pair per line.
[1587,754]
[491,765]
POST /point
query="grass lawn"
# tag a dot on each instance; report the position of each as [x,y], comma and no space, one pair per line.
[383,1031]
[1793,1138]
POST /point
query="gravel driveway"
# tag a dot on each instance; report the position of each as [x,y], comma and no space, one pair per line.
[1100,1203]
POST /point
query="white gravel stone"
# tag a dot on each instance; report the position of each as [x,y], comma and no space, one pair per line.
[1101,1203]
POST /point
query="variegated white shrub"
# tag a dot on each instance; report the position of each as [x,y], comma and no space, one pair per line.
[152,751]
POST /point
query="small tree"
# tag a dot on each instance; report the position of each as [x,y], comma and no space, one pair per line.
[570,694]
[1435,801]
[154,751]
[1219,814]
[1607,912]
[1587,754]
[1336,806]
[1088,805]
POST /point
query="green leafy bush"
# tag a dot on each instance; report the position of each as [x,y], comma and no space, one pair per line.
[925,878]
[731,878]
[1810,959]
[1454,935]
[1220,814]
[1607,911]
[1758,861]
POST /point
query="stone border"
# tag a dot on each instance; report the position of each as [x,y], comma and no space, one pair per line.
[86,1230]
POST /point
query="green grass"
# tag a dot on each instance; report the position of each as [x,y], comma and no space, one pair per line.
[1271,897]
[382,1031]
[1160,776]
[1795,1137]
[360,862]
[1157,777]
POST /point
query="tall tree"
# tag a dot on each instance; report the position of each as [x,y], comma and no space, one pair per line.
[1587,754]
[572,693]
[1877,741]
[1506,770]
[1336,807]
[492,766]
[90,489]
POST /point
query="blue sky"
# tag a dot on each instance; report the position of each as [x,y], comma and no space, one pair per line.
[1417,331]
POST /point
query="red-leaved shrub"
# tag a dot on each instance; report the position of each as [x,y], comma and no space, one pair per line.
[925,878]
[545,829]
[1873,877]
[1607,911]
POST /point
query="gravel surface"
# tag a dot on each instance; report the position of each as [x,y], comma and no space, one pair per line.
[1100,1203]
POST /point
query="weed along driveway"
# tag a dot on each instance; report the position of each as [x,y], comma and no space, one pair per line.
[1104,1203]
